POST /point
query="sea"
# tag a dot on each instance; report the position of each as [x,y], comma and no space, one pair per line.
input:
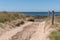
[40,13]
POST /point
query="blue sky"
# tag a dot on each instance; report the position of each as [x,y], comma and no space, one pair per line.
[29,5]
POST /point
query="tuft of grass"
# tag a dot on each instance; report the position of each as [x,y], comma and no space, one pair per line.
[55,35]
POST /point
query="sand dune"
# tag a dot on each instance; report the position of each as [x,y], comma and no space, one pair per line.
[28,31]
[12,32]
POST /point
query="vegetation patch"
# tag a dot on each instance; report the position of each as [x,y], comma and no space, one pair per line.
[9,16]
[55,35]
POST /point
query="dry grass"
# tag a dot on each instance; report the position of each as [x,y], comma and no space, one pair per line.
[9,16]
[55,35]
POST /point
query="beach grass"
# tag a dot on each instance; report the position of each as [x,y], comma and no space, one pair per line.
[55,35]
[9,16]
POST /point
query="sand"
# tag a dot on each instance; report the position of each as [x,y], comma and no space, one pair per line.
[28,31]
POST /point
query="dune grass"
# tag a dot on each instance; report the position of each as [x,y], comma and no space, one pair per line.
[9,16]
[55,35]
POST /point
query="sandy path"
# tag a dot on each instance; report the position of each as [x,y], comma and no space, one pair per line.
[9,34]
[35,31]
[40,34]
[29,31]
[26,33]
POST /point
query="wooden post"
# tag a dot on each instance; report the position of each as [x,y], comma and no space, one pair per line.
[53,17]
[48,14]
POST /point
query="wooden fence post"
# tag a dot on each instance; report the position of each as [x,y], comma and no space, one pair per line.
[52,17]
[48,14]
